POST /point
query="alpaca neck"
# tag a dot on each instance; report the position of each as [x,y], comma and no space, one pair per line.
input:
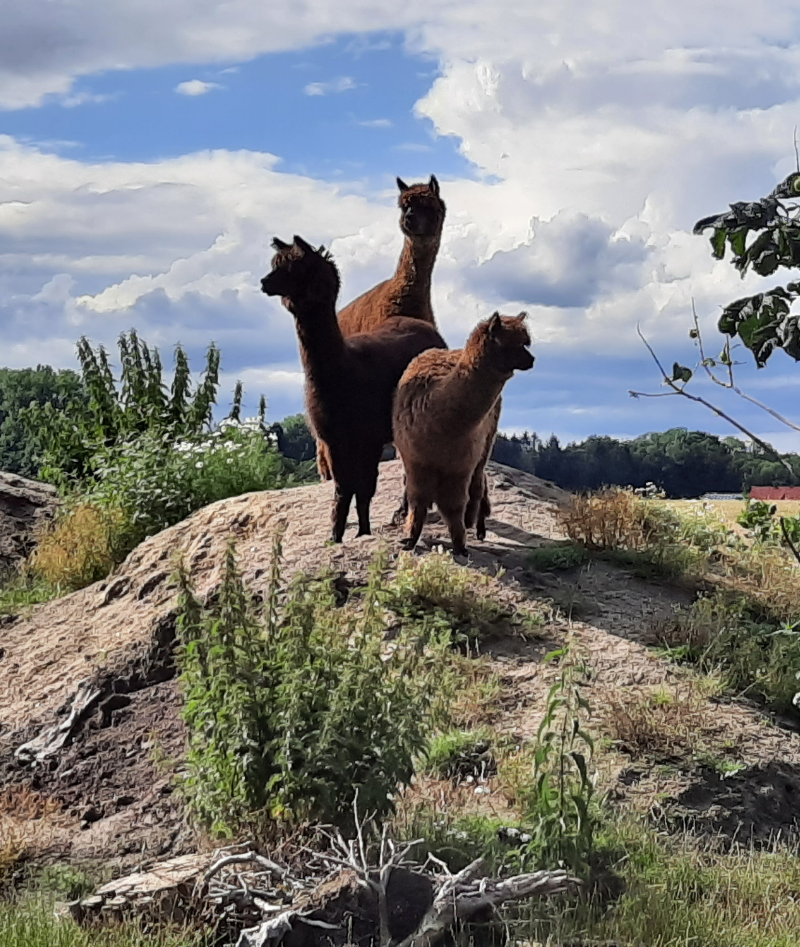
[471,392]
[322,346]
[413,276]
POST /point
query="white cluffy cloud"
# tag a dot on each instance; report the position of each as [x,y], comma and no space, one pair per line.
[196,87]
[342,84]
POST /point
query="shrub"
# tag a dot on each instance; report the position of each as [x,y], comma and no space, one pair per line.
[755,654]
[557,556]
[456,754]
[295,707]
[441,597]
[81,545]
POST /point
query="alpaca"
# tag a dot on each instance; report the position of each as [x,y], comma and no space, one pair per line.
[349,382]
[408,292]
[445,417]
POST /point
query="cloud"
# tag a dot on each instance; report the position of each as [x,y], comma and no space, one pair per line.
[196,87]
[376,123]
[86,98]
[342,84]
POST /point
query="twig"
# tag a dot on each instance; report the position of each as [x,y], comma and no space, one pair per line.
[788,539]
[680,390]
[730,384]
[282,873]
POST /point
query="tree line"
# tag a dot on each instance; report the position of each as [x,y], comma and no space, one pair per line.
[683,463]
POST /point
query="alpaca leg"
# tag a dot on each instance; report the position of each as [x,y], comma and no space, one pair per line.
[476,489]
[363,501]
[341,506]
[484,510]
[417,504]
[453,515]
[323,461]
[400,514]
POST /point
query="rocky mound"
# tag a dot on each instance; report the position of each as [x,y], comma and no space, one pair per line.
[88,700]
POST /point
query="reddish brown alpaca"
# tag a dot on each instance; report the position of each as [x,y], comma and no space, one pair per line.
[349,382]
[408,292]
[445,418]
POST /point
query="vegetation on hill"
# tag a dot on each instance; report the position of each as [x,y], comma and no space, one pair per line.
[683,463]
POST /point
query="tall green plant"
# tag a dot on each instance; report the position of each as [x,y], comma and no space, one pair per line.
[120,410]
[559,804]
[294,706]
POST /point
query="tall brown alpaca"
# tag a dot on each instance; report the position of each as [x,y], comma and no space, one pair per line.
[408,292]
[349,382]
[445,418]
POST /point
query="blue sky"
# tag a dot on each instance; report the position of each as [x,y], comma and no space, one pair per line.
[148,154]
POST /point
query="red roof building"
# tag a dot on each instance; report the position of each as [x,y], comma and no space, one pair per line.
[775,493]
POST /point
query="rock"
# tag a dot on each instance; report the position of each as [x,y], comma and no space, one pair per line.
[24,504]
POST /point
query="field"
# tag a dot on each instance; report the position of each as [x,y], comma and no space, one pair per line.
[728,510]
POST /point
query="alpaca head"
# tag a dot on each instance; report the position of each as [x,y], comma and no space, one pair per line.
[421,209]
[505,341]
[301,274]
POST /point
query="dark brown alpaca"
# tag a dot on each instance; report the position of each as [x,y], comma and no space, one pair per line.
[445,418]
[349,382]
[408,292]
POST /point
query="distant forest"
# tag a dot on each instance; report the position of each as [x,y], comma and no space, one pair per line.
[683,463]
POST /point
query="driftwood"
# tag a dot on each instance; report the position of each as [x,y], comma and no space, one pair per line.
[338,896]
[53,738]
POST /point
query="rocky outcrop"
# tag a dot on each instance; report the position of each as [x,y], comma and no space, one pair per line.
[23,504]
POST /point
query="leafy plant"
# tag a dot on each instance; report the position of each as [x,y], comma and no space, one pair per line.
[559,801]
[294,707]
[456,754]
[758,518]
[561,556]
[763,322]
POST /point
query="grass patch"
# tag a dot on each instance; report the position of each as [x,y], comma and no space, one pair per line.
[659,724]
[458,754]
[557,557]
[436,595]
[678,895]
[727,635]
[21,589]
[30,922]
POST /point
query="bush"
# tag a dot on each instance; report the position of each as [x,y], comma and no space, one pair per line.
[82,545]
[456,754]
[295,707]
[756,655]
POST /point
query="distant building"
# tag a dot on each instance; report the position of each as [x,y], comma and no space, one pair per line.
[775,493]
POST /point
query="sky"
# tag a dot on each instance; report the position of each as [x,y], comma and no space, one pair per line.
[150,152]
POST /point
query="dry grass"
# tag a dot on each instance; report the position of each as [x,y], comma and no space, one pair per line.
[665,723]
[29,823]
[80,547]
[728,510]
[610,519]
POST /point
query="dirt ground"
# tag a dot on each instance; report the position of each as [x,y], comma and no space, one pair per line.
[109,791]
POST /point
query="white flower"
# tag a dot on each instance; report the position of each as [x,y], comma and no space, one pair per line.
[199,465]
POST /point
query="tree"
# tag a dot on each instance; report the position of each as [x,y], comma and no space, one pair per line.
[63,390]
[764,236]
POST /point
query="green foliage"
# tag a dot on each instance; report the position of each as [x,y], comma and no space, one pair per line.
[157,482]
[684,463]
[763,322]
[759,519]
[21,387]
[30,922]
[559,801]
[295,707]
[441,598]
[118,412]
[729,636]
[455,754]
[295,439]
[676,894]
[20,590]
[560,556]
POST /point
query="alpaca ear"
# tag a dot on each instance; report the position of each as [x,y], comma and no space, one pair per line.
[305,247]
[433,184]
[495,325]
[278,244]
[402,184]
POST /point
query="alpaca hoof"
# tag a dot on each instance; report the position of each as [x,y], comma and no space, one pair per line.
[336,537]
[408,544]
[364,532]
[460,551]
[480,534]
